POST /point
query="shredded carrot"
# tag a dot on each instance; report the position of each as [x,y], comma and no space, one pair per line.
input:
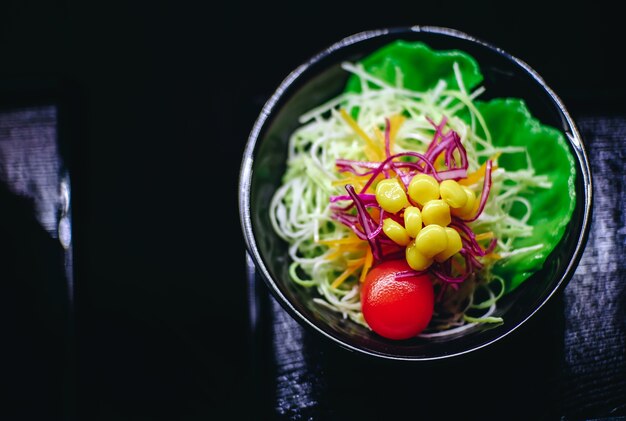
[339,280]
[350,244]
[372,151]
[440,163]
[484,236]
[395,122]
[379,135]
[479,174]
[375,212]
[346,248]
[349,240]
[494,256]
[355,262]
[369,258]
[357,181]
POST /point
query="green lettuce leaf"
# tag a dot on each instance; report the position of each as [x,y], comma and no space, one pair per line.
[511,123]
[420,66]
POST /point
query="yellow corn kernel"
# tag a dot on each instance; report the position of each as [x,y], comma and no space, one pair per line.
[396,232]
[415,259]
[452,193]
[423,188]
[453,247]
[412,221]
[470,206]
[436,212]
[390,195]
[431,240]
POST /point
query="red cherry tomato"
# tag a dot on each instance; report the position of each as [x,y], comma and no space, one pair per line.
[396,308]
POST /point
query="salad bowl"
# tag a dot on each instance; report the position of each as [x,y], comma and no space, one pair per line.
[322,78]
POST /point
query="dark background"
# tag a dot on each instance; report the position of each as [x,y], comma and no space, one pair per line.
[158,100]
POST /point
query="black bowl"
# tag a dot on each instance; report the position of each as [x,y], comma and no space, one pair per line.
[322,78]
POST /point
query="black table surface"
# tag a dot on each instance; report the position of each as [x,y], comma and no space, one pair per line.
[150,310]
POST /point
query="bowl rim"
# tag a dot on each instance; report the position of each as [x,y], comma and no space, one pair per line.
[245,177]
